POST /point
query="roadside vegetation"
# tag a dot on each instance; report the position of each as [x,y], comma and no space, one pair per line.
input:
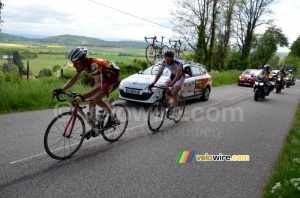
[285,181]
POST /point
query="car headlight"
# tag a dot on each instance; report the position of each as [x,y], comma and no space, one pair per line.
[256,83]
[122,83]
[240,77]
[279,79]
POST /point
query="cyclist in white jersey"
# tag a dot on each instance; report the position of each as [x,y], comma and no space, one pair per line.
[175,80]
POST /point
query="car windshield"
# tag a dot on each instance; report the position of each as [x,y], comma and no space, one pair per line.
[154,69]
[249,71]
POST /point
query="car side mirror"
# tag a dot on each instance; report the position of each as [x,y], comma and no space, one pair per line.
[187,76]
[241,73]
[139,72]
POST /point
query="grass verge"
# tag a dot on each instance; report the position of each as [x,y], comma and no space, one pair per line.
[285,181]
[224,78]
[27,95]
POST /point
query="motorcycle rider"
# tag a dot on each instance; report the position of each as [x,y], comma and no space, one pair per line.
[266,75]
[281,73]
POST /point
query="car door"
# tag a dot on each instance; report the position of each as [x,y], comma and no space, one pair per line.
[198,80]
[188,86]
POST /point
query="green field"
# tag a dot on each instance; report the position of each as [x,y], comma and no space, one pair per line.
[51,55]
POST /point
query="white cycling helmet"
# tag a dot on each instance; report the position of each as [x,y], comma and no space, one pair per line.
[78,54]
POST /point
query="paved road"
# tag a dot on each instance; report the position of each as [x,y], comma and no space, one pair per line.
[143,164]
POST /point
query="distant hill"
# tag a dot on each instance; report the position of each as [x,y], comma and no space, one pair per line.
[72,40]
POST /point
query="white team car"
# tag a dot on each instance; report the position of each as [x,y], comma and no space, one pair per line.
[197,84]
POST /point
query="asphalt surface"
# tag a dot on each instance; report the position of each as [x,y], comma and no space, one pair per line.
[142,163]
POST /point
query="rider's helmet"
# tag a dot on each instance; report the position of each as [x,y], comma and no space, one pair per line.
[282,69]
[78,54]
[169,54]
[267,67]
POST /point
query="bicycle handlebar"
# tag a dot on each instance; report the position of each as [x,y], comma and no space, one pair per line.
[175,41]
[70,95]
[155,39]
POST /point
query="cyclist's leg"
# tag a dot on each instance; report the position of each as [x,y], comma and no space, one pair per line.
[109,86]
[176,89]
[167,83]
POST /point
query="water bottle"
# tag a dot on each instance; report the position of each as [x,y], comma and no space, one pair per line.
[90,117]
[100,115]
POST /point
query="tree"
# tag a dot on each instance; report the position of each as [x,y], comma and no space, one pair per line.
[295,48]
[249,16]
[267,44]
[1,7]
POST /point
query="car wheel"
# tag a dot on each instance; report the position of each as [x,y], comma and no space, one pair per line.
[205,94]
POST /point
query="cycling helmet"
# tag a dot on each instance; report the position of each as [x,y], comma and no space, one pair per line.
[169,54]
[267,67]
[282,69]
[78,54]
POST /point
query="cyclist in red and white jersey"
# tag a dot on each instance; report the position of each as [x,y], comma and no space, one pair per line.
[106,79]
[175,80]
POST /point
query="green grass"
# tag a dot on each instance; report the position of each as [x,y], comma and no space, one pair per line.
[56,55]
[25,95]
[285,181]
[224,78]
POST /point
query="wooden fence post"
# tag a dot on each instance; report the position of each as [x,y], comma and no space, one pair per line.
[27,69]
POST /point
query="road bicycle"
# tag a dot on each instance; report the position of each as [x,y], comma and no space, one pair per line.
[66,132]
[161,108]
[178,53]
[154,51]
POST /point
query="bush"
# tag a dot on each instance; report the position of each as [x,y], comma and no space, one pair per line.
[45,73]
[132,67]
[56,68]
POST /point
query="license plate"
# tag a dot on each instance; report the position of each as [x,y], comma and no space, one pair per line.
[132,91]
[246,83]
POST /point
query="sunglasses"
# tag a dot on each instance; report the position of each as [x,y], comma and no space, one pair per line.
[76,62]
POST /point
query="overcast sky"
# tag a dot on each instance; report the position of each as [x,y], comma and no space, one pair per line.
[90,18]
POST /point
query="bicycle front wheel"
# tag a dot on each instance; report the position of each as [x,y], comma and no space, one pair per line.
[180,109]
[62,140]
[156,116]
[150,54]
[115,132]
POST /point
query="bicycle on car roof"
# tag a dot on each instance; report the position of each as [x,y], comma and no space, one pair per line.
[155,51]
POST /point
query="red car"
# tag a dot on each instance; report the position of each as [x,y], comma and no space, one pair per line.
[246,79]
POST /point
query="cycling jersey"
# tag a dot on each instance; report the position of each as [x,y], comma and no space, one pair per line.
[97,66]
[110,73]
[174,67]
[177,65]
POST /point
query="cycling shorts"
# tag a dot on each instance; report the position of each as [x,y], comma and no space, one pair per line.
[110,84]
[177,84]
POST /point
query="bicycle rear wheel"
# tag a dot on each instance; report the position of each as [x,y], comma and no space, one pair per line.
[156,116]
[150,54]
[115,132]
[180,110]
[56,141]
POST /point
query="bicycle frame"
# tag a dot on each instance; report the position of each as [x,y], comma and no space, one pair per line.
[177,48]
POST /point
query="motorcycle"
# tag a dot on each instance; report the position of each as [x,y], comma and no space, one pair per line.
[261,88]
[288,81]
[278,83]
